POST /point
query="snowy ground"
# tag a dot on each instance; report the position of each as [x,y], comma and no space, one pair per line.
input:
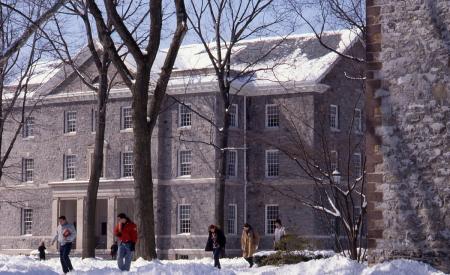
[334,265]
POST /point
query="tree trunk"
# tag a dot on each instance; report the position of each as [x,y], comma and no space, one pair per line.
[89,238]
[144,215]
[221,172]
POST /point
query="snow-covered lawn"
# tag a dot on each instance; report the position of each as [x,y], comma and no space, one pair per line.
[334,265]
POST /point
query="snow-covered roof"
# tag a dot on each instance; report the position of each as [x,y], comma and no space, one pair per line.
[296,58]
[39,73]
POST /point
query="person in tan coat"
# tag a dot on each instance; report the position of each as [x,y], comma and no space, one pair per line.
[249,243]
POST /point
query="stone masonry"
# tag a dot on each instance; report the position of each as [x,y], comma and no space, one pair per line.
[408,148]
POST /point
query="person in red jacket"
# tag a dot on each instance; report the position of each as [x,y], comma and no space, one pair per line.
[126,232]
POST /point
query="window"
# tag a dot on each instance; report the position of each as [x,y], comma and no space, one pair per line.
[272,163]
[27,170]
[70,125]
[126,118]
[69,166]
[28,127]
[272,116]
[334,117]
[185,115]
[232,219]
[271,216]
[231,163]
[91,163]
[127,164]
[185,159]
[358,121]
[184,218]
[94,117]
[334,160]
[357,165]
[233,113]
[27,221]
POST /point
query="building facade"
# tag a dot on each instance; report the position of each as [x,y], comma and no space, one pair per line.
[50,164]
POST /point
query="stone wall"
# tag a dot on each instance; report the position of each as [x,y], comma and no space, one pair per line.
[408,94]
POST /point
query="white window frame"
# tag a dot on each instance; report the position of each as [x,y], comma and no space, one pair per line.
[188,114]
[267,163]
[334,119]
[27,224]
[122,164]
[267,220]
[334,160]
[232,166]
[267,116]
[28,128]
[359,158]
[234,116]
[180,229]
[66,167]
[232,220]
[126,122]
[68,121]
[180,163]
[26,169]
[357,121]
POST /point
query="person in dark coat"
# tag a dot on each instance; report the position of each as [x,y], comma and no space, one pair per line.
[216,243]
[41,250]
[114,248]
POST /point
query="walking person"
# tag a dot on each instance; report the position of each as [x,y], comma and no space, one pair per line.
[249,243]
[279,233]
[126,232]
[65,235]
[114,248]
[216,243]
[41,250]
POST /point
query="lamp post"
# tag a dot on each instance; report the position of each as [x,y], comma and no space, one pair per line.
[337,180]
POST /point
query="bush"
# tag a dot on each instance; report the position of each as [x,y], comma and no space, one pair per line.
[291,243]
[290,250]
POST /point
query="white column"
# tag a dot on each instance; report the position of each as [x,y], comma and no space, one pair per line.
[112,213]
[55,214]
[80,218]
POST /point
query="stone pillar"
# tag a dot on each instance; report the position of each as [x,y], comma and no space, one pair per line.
[55,215]
[408,111]
[80,214]
[112,213]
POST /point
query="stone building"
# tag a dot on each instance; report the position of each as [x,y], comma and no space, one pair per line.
[298,83]
[408,143]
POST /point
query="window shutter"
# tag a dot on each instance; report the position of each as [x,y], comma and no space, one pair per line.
[121,122]
[65,124]
[121,165]
[64,167]
[93,120]
[23,169]
[22,227]
[338,124]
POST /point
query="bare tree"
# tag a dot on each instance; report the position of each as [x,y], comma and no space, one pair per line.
[20,55]
[221,26]
[145,108]
[328,15]
[333,163]
[34,20]
[100,82]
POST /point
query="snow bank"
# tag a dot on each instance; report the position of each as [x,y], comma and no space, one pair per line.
[237,266]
